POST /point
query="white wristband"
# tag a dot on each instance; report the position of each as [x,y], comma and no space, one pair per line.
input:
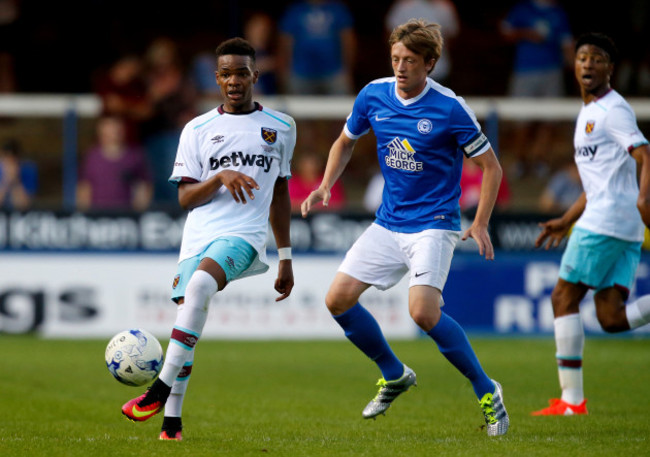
[284,253]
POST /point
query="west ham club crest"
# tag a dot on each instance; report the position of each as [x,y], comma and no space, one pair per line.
[269,135]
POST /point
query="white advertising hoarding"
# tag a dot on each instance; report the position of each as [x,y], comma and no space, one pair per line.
[97,295]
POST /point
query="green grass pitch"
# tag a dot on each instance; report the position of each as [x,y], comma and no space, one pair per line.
[304,398]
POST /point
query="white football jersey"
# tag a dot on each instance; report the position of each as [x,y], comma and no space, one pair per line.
[259,144]
[606,132]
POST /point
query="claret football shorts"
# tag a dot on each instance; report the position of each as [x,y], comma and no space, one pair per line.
[381,257]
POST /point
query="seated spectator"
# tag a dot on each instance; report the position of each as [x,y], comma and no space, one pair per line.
[562,190]
[114,174]
[470,185]
[18,178]
[307,177]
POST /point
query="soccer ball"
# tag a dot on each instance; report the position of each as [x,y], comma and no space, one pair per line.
[134,357]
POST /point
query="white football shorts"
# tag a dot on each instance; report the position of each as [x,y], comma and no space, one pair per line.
[381,257]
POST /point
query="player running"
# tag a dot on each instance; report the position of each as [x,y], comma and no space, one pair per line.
[231,170]
[422,130]
[604,248]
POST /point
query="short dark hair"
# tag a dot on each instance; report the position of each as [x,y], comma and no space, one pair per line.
[600,40]
[236,46]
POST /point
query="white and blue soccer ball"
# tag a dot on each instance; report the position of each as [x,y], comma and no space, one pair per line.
[134,357]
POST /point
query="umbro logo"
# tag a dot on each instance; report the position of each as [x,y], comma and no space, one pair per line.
[217,139]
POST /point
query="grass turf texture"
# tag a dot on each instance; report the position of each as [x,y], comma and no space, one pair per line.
[305,399]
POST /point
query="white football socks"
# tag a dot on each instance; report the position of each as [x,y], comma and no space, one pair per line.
[569,342]
[174,405]
[638,312]
[189,324]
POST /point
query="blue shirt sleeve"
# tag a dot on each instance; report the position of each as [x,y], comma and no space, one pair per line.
[467,132]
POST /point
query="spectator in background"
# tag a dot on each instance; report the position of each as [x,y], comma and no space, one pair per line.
[124,93]
[442,12]
[309,169]
[114,175]
[471,179]
[259,31]
[562,190]
[317,48]
[543,49]
[18,178]
[173,100]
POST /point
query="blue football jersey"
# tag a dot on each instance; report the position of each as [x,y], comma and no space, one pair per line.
[420,146]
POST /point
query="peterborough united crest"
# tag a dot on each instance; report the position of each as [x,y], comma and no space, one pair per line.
[269,135]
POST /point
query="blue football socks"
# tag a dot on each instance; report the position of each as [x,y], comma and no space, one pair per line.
[362,330]
[454,345]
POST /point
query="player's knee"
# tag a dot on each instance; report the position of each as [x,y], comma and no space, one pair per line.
[610,311]
[613,323]
[337,304]
[426,323]
[613,327]
[562,305]
[424,318]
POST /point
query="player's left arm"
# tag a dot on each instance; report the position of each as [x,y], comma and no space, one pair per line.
[492,174]
[280,219]
[642,156]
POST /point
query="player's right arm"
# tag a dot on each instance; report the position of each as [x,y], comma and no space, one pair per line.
[338,158]
[193,194]
[554,230]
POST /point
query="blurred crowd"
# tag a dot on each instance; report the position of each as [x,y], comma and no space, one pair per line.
[315,47]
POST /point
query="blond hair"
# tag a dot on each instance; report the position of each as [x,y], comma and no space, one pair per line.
[419,36]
